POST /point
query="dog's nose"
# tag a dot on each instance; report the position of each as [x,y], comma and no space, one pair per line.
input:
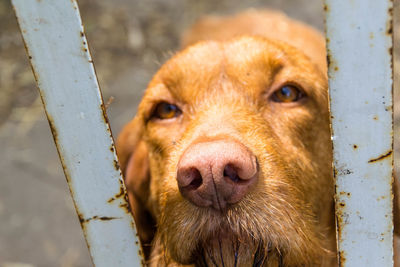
[216,173]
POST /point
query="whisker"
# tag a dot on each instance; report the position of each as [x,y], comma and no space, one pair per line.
[220,252]
[211,256]
[280,263]
[236,249]
[203,260]
[265,257]
[257,260]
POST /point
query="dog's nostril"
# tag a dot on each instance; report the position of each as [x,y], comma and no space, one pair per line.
[197,180]
[231,173]
[193,178]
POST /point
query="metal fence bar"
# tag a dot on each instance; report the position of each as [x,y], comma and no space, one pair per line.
[359,42]
[64,72]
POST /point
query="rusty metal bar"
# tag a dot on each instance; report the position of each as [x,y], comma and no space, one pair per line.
[359,44]
[63,68]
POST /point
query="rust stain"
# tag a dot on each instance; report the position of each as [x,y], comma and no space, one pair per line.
[80,217]
[120,194]
[122,191]
[116,165]
[140,251]
[74,4]
[342,258]
[82,34]
[389,27]
[381,157]
[105,218]
[376,118]
[103,109]
[126,207]
[339,222]
[101,218]
[390,50]
[355,146]
[326,8]
[328,59]
[53,128]
[390,30]
[388,108]
[371,35]
[331,62]
[342,193]
[381,198]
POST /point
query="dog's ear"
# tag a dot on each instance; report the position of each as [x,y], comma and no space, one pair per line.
[133,158]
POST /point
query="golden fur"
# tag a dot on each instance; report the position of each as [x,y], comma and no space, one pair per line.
[223,85]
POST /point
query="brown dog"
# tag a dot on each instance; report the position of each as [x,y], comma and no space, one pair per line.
[228,161]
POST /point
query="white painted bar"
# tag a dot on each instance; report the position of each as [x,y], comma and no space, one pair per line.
[64,72]
[359,43]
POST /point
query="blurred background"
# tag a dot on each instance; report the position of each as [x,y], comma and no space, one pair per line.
[129,40]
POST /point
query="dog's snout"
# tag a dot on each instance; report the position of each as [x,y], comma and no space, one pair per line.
[216,173]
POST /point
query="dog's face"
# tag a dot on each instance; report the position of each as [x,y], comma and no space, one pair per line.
[235,156]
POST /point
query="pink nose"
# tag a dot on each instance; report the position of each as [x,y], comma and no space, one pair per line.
[216,173]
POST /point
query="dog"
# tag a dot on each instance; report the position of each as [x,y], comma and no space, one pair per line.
[228,160]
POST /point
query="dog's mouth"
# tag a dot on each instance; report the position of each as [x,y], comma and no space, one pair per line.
[239,241]
[283,234]
[235,253]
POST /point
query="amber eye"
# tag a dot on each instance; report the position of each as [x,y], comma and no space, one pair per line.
[287,94]
[166,110]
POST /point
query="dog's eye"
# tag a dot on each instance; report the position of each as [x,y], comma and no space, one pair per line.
[287,94]
[166,110]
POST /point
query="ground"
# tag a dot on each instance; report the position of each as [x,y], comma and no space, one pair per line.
[128,40]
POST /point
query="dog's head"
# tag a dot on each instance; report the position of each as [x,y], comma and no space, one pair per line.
[228,159]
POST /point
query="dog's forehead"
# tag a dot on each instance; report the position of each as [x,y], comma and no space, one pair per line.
[245,62]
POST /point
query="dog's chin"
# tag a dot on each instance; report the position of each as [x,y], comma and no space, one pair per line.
[228,249]
[238,236]
[209,238]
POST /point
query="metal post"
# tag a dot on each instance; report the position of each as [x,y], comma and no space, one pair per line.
[64,72]
[359,42]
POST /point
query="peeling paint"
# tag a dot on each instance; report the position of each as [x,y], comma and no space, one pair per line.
[358,33]
[116,165]
[77,139]
[101,218]
[381,157]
